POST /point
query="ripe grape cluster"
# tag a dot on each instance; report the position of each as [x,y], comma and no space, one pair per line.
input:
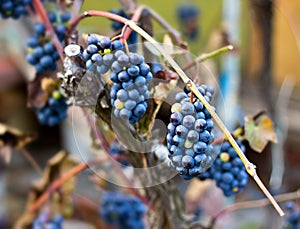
[13,8]
[131,77]
[98,54]
[292,219]
[42,53]
[118,151]
[43,222]
[190,134]
[54,111]
[228,170]
[122,211]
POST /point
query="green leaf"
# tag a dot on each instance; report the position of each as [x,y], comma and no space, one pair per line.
[258,135]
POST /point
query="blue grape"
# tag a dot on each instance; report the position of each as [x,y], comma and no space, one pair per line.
[128,77]
[54,111]
[43,221]
[42,53]
[13,8]
[292,218]
[228,170]
[119,152]
[189,137]
[122,211]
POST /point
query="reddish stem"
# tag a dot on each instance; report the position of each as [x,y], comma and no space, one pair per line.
[31,160]
[39,8]
[96,13]
[115,164]
[56,184]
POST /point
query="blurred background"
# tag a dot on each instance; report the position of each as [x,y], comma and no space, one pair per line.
[261,74]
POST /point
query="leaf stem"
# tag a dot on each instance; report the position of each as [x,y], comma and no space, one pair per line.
[191,85]
[255,204]
[31,160]
[58,183]
[203,57]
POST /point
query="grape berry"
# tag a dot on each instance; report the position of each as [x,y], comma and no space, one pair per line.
[13,8]
[122,211]
[228,170]
[131,77]
[190,134]
[54,111]
[292,219]
[43,222]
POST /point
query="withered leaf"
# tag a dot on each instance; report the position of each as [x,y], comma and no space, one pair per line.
[258,135]
[37,97]
[56,167]
[12,138]
[162,90]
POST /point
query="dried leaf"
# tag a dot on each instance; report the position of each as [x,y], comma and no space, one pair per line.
[168,45]
[13,137]
[56,166]
[162,90]
[49,85]
[166,74]
[37,97]
[258,135]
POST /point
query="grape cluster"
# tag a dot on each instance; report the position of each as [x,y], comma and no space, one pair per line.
[98,54]
[292,219]
[43,222]
[117,26]
[13,8]
[190,134]
[117,150]
[187,16]
[42,53]
[122,211]
[228,170]
[54,111]
[131,77]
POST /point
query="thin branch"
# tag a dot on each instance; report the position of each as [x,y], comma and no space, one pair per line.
[254,204]
[115,164]
[94,13]
[250,168]
[56,184]
[40,10]
[31,160]
[206,56]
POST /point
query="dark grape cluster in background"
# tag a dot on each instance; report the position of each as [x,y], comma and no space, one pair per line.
[54,111]
[228,170]
[292,219]
[118,151]
[190,134]
[122,211]
[42,53]
[13,8]
[131,77]
[43,222]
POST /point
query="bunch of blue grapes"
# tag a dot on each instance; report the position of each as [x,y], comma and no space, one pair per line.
[190,134]
[122,211]
[43,222]
[42,53]
[131,77]
[292,219]
[54,111]
[117,26]
[13,8]
[228,170]
[99,53]
[118,151]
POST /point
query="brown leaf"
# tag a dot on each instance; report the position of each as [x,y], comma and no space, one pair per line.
[162,90]
[56,166]
[13,137]
[37,96]
[166,74]
[258,135]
